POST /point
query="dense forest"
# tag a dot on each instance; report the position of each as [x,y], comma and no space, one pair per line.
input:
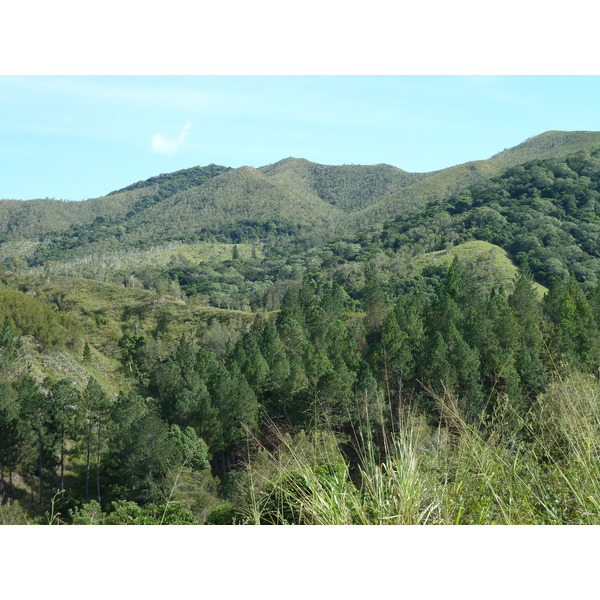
[304,344]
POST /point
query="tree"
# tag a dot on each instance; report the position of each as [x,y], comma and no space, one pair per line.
[9,431]
[36,414]
[373,301]
[394,358]
[131,345]
[94,410]
[65,399]
[190,450]
[87,353]
[140,454]
[570,314]
[237,407]
[273,350]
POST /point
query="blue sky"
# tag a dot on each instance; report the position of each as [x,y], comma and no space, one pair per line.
[74,137]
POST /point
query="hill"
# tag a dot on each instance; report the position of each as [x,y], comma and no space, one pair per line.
[491,263]
[552,144]
[348,187]
[294,198]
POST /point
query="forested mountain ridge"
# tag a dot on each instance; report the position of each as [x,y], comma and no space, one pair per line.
[232,346]
[552,144]
[348,187]
[293,196]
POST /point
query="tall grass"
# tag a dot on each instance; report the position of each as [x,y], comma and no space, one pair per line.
[541,466]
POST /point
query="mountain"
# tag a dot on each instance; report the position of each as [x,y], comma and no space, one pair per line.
[552,144]
[348,187]
[293,199]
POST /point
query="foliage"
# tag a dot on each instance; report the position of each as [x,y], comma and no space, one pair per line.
[130,513]
[236,346]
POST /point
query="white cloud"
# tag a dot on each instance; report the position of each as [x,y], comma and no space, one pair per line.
[164,145]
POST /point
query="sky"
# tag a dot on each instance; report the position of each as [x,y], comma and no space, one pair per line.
[76,137]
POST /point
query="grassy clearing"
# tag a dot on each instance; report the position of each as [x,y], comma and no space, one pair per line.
[486,258]
[104,308]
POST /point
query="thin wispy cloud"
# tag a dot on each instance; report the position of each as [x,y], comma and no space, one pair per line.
[498,88]
[164,145]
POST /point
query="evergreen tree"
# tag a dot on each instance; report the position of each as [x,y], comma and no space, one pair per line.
[65,399]
[9,432]
[36,412]
[237,407]
[140,454]
[87,353]
[570,315]
[131,346]
[529,341]
[292,337]
[273,351]
[373,302]
[336,407]
[312,313]
[394,359]
[94,410]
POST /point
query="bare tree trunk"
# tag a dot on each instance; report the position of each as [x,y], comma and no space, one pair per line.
[98,467]
[40,474]
[62,461]
[87,465]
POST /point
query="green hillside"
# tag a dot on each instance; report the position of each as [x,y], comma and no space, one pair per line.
[295,198]
[348,187]
[243,194]
[552,144]
[489,261]
[103,217]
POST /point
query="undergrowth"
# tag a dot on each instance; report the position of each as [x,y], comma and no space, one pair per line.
[541,466]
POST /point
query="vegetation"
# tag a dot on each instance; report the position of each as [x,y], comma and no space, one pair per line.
[212,351]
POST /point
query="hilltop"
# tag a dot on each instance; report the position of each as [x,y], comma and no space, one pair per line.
[293,197]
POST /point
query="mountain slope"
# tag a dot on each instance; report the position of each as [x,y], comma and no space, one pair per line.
[32,219]
[243,194]
[552,144]
[348,187]
[293,196]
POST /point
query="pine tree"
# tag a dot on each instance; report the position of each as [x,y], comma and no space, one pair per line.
[237,407]
[10,433]
[65,398]
[36,415]
[373,302]
[394,358]
[94,410]
[87,353]
[312,313]
[527,309]
[273,350]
